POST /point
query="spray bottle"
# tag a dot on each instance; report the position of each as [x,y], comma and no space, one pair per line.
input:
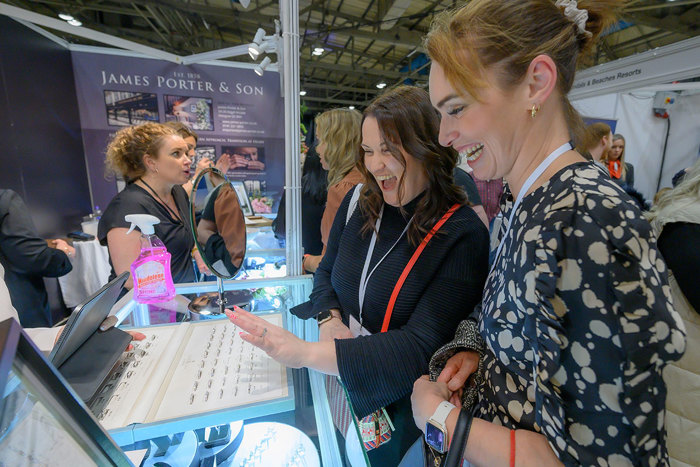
[153,281]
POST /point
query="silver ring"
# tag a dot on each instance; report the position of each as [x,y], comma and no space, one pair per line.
[263,333]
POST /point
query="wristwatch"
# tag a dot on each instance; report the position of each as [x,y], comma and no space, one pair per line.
[435,429]
[324,316]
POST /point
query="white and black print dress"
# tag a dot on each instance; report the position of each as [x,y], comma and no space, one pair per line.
[578,324]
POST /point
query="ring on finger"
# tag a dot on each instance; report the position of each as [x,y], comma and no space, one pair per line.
[263,333]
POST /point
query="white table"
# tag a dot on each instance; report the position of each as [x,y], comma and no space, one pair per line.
[91,271]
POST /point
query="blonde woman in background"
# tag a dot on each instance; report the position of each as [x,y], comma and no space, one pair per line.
[620,171]
[338,137]
[676,220]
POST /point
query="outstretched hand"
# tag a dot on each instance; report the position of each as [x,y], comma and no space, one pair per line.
[279,344]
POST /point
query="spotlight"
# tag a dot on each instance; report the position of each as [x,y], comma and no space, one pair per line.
[75,22]
[259,36]
[254,51]
[65,17]
[318,51]
[381,85]
[302,93]
[244,3]
[352,107]
[260,69]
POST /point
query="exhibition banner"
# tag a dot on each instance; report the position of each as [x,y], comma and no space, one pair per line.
[236,114]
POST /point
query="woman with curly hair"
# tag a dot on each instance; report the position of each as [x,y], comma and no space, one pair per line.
[152,158]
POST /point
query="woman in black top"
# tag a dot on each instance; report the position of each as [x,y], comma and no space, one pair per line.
[153,160]
[314,189]
[409,188]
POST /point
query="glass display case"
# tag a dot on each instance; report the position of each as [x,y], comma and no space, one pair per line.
[296,398]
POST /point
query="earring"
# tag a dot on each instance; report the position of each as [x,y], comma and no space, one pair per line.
[534,110]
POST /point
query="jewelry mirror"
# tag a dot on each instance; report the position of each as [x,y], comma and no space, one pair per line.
[218,226]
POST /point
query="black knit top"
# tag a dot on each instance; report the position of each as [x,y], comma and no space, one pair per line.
[443,287]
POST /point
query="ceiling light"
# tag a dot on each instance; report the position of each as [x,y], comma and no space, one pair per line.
[65,17]
[254,50]
[259,36]
[75,22]
[352,107]
[302,93]
[381,85]
[244,3]
[318,51]
[260,69]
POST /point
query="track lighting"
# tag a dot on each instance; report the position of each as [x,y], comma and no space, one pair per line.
[260,68]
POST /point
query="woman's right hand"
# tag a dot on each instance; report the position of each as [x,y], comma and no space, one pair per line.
[456,372]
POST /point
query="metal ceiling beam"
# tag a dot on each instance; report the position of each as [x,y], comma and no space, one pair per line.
[305,64]
[332,101]
[659,6]
[333,87]
[687,24]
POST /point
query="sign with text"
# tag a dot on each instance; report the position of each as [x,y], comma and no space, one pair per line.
[663,65]
[236,114]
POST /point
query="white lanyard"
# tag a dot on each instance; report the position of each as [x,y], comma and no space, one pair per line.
[526,186]
[364,278]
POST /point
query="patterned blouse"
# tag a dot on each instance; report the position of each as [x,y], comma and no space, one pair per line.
[578,324]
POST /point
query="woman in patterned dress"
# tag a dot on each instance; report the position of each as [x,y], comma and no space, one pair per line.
[576,323]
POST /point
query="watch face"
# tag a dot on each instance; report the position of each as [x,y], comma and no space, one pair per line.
[435,437]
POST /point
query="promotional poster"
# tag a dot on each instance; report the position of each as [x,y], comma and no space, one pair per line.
[236,114]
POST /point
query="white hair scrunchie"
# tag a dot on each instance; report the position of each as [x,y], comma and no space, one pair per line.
[575,15]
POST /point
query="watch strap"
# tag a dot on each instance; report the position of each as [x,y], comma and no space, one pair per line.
[441,413]
[459,439]
[324,316]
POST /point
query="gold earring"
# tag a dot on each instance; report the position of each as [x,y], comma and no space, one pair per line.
[534,110]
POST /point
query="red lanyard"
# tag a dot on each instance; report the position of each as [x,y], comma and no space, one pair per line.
[411,263]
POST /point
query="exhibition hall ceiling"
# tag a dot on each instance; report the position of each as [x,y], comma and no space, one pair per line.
[358,44]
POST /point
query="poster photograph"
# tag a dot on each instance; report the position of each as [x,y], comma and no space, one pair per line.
[195,112]
[244,158]
[130,108]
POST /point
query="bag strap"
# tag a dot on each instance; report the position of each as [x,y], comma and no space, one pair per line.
[353,202]
[411,263]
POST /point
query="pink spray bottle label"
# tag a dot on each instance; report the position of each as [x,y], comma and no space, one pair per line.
[153,281]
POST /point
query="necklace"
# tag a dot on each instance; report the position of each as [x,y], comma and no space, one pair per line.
[175,216]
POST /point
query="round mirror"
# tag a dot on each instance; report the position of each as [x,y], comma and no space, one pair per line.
[218,226]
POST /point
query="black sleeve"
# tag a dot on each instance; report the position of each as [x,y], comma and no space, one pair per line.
[323,297]
[465,180]
[630,175]
[20,245]
[126,202]
[678,244]
[396,358]
[279,224]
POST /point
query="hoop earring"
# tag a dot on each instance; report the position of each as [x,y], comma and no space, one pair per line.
[534,110]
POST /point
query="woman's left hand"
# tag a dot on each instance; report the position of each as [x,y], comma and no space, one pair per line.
[426,397]
[279,344]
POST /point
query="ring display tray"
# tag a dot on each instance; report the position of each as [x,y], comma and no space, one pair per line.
[187,376]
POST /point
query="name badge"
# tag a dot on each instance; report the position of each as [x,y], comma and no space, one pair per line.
[356,329]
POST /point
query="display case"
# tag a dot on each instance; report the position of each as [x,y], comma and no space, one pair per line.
[291,397]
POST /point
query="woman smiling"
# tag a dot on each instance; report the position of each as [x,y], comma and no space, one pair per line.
[576,318]
[405,263]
